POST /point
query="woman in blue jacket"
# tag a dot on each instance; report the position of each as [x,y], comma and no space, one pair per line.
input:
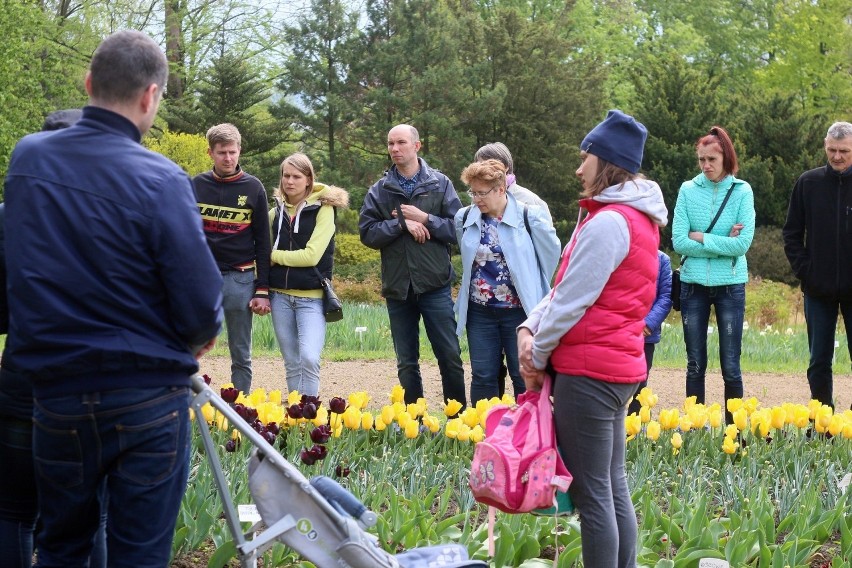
[509,252]
[713,269]
[654,321]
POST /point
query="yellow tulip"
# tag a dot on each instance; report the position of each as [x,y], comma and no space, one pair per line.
[646,397]
[399,409]
[257,397]
[275,397]
[731,431]
[734,404]
[814,405]
[507,399]
[322,416]
[741,418]
[388,414]
[761,422]
[335,421]
[336,432]
[452,428]
[208,412]
[470,417]
[823,418]
[669,419]
[715,415]
[221,421]
[431,422]
[464,433]
[380,426]
[729,446]
[751,405]
[359,400]
[698,416]
[835,426]
[652,430]
[352,418]
[689,403]
[293,397]
[397,394]
[779,417]
[685,423]
[412,429]
[482,406]
[403,419]
[633,425]
[847,430]
[415,409]
[452,407]
[366,421]
[801,416]
[477,434]
[645,414]
[677,442]
[236,435]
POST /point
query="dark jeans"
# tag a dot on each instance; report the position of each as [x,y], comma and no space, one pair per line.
[126,450]
[436,309]
[634,406]
[590,430]
[491,334]
[821,320]
[19,502]
[729,304]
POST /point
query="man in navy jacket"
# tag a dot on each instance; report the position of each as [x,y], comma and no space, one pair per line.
[112,295]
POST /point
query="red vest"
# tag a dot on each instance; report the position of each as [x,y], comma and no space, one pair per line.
[607,342]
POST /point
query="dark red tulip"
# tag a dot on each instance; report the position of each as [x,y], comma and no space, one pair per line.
[309,410]
[268,436]
[207,379]
[251,414]
[337,405]
[341,471]
[318,452]
[229,394]
[258,426]
[230,446]
[315,400]
[241,410]
[306,457]
[294,411]
[321,434]
[273,427]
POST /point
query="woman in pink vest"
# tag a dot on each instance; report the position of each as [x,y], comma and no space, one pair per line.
[589,329]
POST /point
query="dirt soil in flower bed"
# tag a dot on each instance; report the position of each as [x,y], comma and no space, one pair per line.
[377,378]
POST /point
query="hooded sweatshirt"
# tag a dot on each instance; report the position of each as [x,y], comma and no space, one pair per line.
[610,234]
[303,241]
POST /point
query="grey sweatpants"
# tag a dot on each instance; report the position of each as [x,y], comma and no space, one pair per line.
[590,431]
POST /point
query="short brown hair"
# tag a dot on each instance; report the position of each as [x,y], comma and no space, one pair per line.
[492,172]
[125,64]
[224,133]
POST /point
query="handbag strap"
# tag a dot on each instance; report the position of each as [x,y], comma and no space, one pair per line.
[320,276]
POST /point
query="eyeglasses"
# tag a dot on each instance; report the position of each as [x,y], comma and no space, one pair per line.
[482,195]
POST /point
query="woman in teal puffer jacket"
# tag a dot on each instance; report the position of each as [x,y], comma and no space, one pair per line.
[713,268]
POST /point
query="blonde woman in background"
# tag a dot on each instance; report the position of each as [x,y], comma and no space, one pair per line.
[302,226]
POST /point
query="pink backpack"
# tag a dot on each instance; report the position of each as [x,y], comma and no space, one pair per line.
[518,468]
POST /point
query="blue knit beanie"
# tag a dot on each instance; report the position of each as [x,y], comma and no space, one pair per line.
[619,139]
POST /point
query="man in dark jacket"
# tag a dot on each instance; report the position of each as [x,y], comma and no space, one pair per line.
[817,241]
[233,206]
[408,216]
[112,295]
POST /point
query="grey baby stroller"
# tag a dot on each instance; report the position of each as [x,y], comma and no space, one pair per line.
[320,520]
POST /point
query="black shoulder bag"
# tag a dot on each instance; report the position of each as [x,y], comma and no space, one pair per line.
[332,307]
[676,273]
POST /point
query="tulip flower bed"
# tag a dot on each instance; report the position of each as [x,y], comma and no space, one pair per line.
[768,490]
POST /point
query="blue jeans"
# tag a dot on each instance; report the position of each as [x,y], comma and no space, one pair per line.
[300,329]
[490,334]
[729,305]
[589,418]
[821,320]
[126,450]
[237,292]
[19,505]
[436,308]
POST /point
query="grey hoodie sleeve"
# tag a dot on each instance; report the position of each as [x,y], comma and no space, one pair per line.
[602,244]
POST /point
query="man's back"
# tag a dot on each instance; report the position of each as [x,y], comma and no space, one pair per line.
[98,284]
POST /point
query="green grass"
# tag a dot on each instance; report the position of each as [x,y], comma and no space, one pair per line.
[764,350]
